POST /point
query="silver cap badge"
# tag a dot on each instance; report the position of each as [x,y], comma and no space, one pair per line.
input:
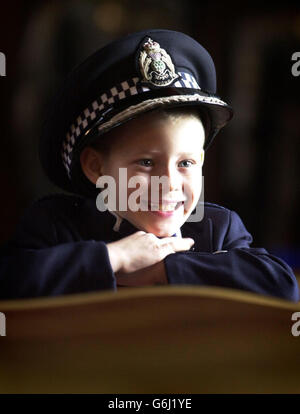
[156,65]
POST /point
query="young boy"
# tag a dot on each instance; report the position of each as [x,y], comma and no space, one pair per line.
[144,106]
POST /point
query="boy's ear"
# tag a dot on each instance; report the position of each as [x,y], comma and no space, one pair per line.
[91,164]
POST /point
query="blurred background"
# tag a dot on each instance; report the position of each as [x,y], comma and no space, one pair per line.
[253,167]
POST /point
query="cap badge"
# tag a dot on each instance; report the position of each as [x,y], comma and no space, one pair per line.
[156,65]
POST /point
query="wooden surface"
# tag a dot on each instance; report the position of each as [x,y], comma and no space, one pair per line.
[150,340]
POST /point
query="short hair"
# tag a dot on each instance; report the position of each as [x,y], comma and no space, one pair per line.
[174,113]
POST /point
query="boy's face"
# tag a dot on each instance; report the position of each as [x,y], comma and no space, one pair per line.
[151,146]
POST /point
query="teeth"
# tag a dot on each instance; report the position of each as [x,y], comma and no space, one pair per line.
[167,207]
[164,207]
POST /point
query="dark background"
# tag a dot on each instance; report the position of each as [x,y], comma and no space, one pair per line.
[253,165]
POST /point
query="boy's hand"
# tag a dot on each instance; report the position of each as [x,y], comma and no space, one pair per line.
[149,276]
[141,249]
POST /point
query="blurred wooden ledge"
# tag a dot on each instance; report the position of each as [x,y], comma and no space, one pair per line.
[150,340]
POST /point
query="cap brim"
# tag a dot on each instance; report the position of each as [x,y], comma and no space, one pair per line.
[220,112]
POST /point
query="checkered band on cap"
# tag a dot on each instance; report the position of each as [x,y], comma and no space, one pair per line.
[103,104]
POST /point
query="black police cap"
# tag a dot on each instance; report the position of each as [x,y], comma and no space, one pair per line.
[130,76]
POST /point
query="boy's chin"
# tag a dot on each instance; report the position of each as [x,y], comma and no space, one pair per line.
[158,227]
[161,230]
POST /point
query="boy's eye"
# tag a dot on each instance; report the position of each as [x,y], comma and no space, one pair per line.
[146,162]
[186,163]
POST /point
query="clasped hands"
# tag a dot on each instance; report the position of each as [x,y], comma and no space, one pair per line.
[137,260]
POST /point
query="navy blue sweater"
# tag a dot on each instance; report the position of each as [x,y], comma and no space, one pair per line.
[59,247]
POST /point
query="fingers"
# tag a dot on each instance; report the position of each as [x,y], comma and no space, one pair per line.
[176,244]
[179,244]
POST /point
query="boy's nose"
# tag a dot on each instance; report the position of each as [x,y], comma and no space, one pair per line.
[173,177]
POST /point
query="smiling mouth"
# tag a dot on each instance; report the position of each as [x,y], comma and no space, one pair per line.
[166,207]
